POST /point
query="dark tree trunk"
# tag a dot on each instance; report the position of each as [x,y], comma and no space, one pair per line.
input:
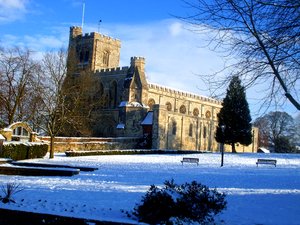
[51,147]
[233,147]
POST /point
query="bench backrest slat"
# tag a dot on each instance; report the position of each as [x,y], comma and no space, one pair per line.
[190,159]
[266,160]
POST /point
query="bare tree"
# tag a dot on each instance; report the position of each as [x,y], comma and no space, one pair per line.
[54,113]
[276,127]
[263,38]
[19,76]
[66,96]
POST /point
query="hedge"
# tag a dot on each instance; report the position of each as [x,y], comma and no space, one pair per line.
[23,150]
[128,152]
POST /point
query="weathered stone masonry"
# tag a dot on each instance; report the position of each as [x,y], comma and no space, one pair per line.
[180,120]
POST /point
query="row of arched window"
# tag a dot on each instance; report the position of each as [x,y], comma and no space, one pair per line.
[191,129]
[182,108]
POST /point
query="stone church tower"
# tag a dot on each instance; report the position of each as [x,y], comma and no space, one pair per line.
[126,105]
[94,50]
[122,90]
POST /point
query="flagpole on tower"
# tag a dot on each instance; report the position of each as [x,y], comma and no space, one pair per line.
[82,20]
[99,22]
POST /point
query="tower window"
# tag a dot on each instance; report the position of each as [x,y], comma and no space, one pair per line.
[86,56]
[106,58]
[81,56]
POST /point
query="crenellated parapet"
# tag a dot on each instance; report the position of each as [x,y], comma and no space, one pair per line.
[76,32]
[113,71]
[137,58]
[182,94]
[138,62]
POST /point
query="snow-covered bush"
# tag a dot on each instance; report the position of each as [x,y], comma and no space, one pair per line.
[23,150]
[175,204]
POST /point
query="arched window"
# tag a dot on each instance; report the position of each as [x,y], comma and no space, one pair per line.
[151,102]
[191,130]
[106,58]
[196,112]
[204,132]
[182,109]
[81,56]
[169,106]
[208,114]
[99,98]
[86,56]
[174,128]
[113,94]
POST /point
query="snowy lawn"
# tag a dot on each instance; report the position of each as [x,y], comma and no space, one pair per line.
[255,195]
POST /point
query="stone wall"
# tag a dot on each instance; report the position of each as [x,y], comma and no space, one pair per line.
[62,144]
[175,130]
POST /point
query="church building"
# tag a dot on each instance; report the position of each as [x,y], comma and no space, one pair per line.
[133,107]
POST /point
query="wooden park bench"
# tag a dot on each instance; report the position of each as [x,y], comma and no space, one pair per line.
[266,161]
[190,160]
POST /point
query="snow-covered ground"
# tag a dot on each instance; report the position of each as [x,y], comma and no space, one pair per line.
[255,195]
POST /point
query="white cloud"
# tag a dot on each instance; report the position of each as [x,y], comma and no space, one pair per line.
[12,4]
[172,52]
[11,10]
[176,28]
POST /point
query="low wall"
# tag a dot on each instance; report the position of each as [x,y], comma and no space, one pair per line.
[62,144]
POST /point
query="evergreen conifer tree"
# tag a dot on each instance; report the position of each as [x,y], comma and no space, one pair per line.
[234,119]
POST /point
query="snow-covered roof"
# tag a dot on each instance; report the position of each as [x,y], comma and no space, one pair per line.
[263,150]
[123,104]
[148,119]
[7,129]
[132,104]
[121,126]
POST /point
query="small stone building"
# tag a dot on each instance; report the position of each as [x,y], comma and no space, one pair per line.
[132,107]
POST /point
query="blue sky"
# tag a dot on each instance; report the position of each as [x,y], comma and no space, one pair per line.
[174,55]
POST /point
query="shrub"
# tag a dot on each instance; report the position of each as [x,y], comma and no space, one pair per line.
[156,207]
[9,190]
[15,151]
[23,150]
[37,150]
[189,202]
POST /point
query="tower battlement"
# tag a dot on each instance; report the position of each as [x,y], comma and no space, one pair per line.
[95,35]
[137,58]
[94,50]
[113,71]
[76,31]
[138,62]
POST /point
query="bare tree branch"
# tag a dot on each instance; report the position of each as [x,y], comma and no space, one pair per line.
[261,36]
